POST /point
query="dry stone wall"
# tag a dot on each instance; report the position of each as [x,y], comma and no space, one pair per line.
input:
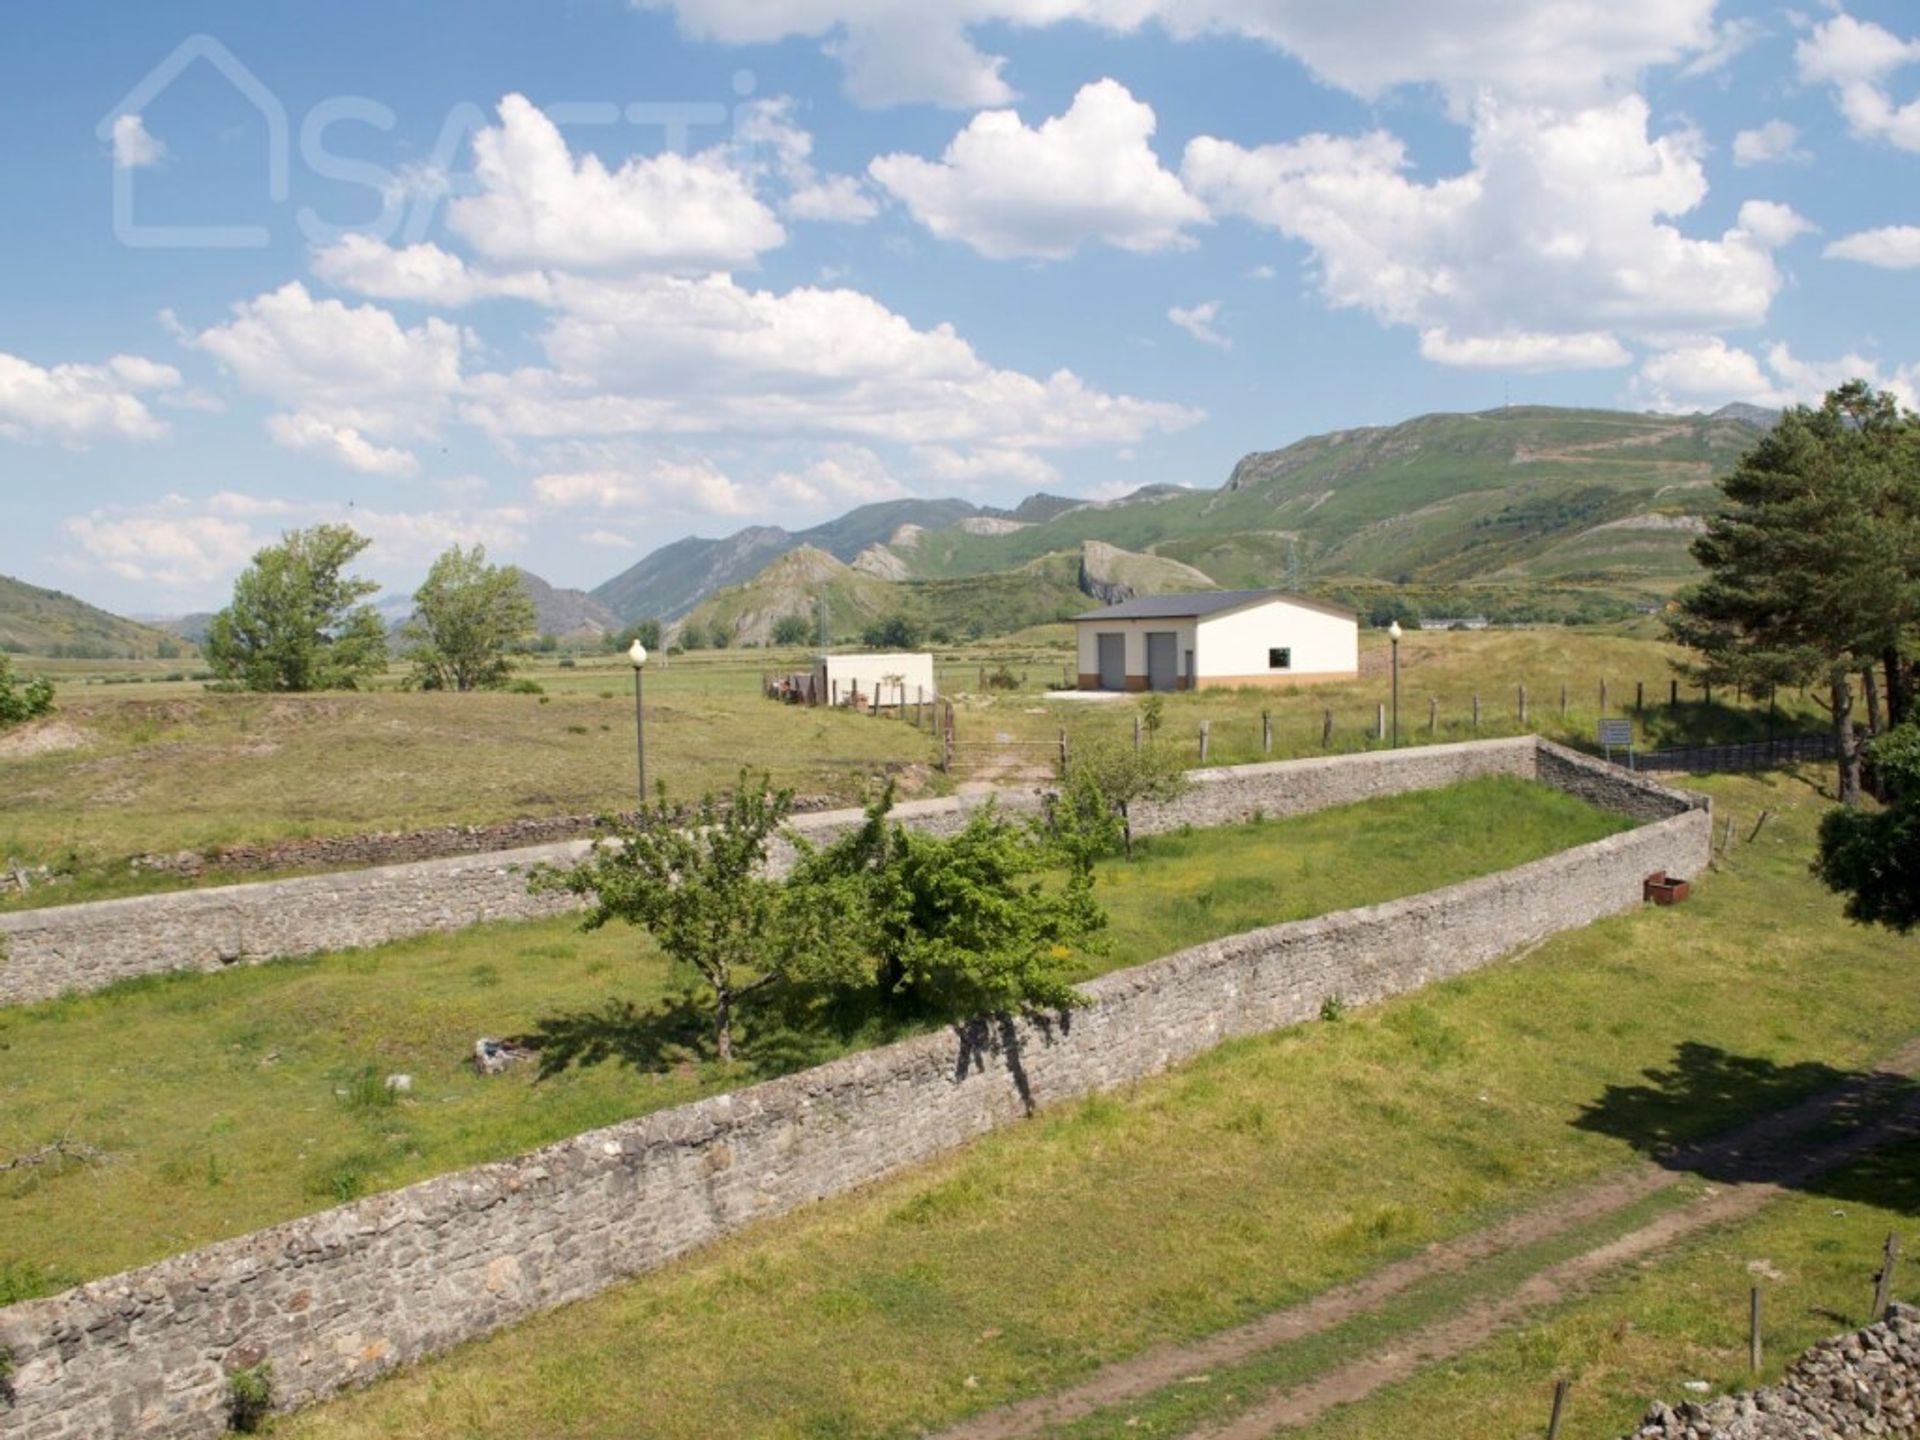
[71,948]
[1864,1386]
[334,1299]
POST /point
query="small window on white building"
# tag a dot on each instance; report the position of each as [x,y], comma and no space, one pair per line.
[1280,658]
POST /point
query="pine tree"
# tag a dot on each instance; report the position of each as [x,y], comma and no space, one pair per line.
[1813,569]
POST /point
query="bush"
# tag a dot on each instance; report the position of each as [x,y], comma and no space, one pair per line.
[22,699]
[527,687]
[1002,678]
[250,1398]
[792,630]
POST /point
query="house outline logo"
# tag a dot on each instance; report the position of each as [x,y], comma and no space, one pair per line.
[185,55]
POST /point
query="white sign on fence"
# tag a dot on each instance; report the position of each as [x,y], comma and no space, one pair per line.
[1617,735]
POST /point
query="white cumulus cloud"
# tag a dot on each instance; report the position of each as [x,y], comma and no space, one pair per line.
[1858,59]
[896,51]
[72,404]
[1707,373]
[349,375]
[1088,175]
[423,273]
[539,205]
[690,357]
[342,443]
[1766,144]
[1891,247]
[1558,240]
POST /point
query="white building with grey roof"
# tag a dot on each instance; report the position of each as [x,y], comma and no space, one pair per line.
[1216,638]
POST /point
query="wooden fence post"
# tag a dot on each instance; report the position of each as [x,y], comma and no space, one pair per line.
[1753,1330]
[1563,699]
[1136,730]
[1206,734]
[1639,697]
[1380,720]
[1603,697]
[1433,715]
[1560,1388]
[1326,729]
[1476,712]
[1063,751]
[1883,1282]
[1266,732]
[1523,707]
[1673,692]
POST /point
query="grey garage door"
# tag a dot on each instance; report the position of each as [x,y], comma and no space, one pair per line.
[1113,662]
[1163,648]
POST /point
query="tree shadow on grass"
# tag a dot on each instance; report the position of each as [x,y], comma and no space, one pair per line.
[787,1032]
[1737,1119]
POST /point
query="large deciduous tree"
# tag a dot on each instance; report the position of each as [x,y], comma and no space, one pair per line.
[297,621]
[1813,567]
[1873,855]
[468,618]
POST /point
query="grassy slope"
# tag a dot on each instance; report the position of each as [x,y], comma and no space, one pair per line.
[215,1095]
[34,621]
[989,604]
[1266,1171]
[1441,498]
[166,766]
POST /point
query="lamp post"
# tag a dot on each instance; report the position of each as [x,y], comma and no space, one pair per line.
[637,657]
[1393,633]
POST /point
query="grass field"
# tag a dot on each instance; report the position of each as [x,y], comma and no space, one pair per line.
[160,766]
[227,1102]
[1264,1172]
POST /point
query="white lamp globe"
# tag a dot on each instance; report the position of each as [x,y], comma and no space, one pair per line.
[1394,632]
[637,655]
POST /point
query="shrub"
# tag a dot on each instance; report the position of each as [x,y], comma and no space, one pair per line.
[22,699]
[1333,1008]
[527,687]
[250,1398]
[1002,678]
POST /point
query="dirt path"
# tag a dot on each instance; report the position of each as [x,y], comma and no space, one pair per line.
[1754,1145]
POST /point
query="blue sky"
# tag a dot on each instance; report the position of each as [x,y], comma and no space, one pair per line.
[577,279]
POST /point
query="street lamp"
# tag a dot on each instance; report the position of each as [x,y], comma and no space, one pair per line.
[1393,633]
[637,657]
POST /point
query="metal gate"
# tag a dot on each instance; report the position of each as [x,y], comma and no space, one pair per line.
[1113,662]
[1163,650]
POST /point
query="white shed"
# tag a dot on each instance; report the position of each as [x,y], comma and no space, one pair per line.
[1219,637]
[898,679]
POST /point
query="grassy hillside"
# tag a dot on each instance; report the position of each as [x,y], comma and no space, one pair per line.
[1043,590]
[46,622]
[672,580]
[1518,495]
[1521,514]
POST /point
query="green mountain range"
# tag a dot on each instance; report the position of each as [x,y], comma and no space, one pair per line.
[1527,512]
